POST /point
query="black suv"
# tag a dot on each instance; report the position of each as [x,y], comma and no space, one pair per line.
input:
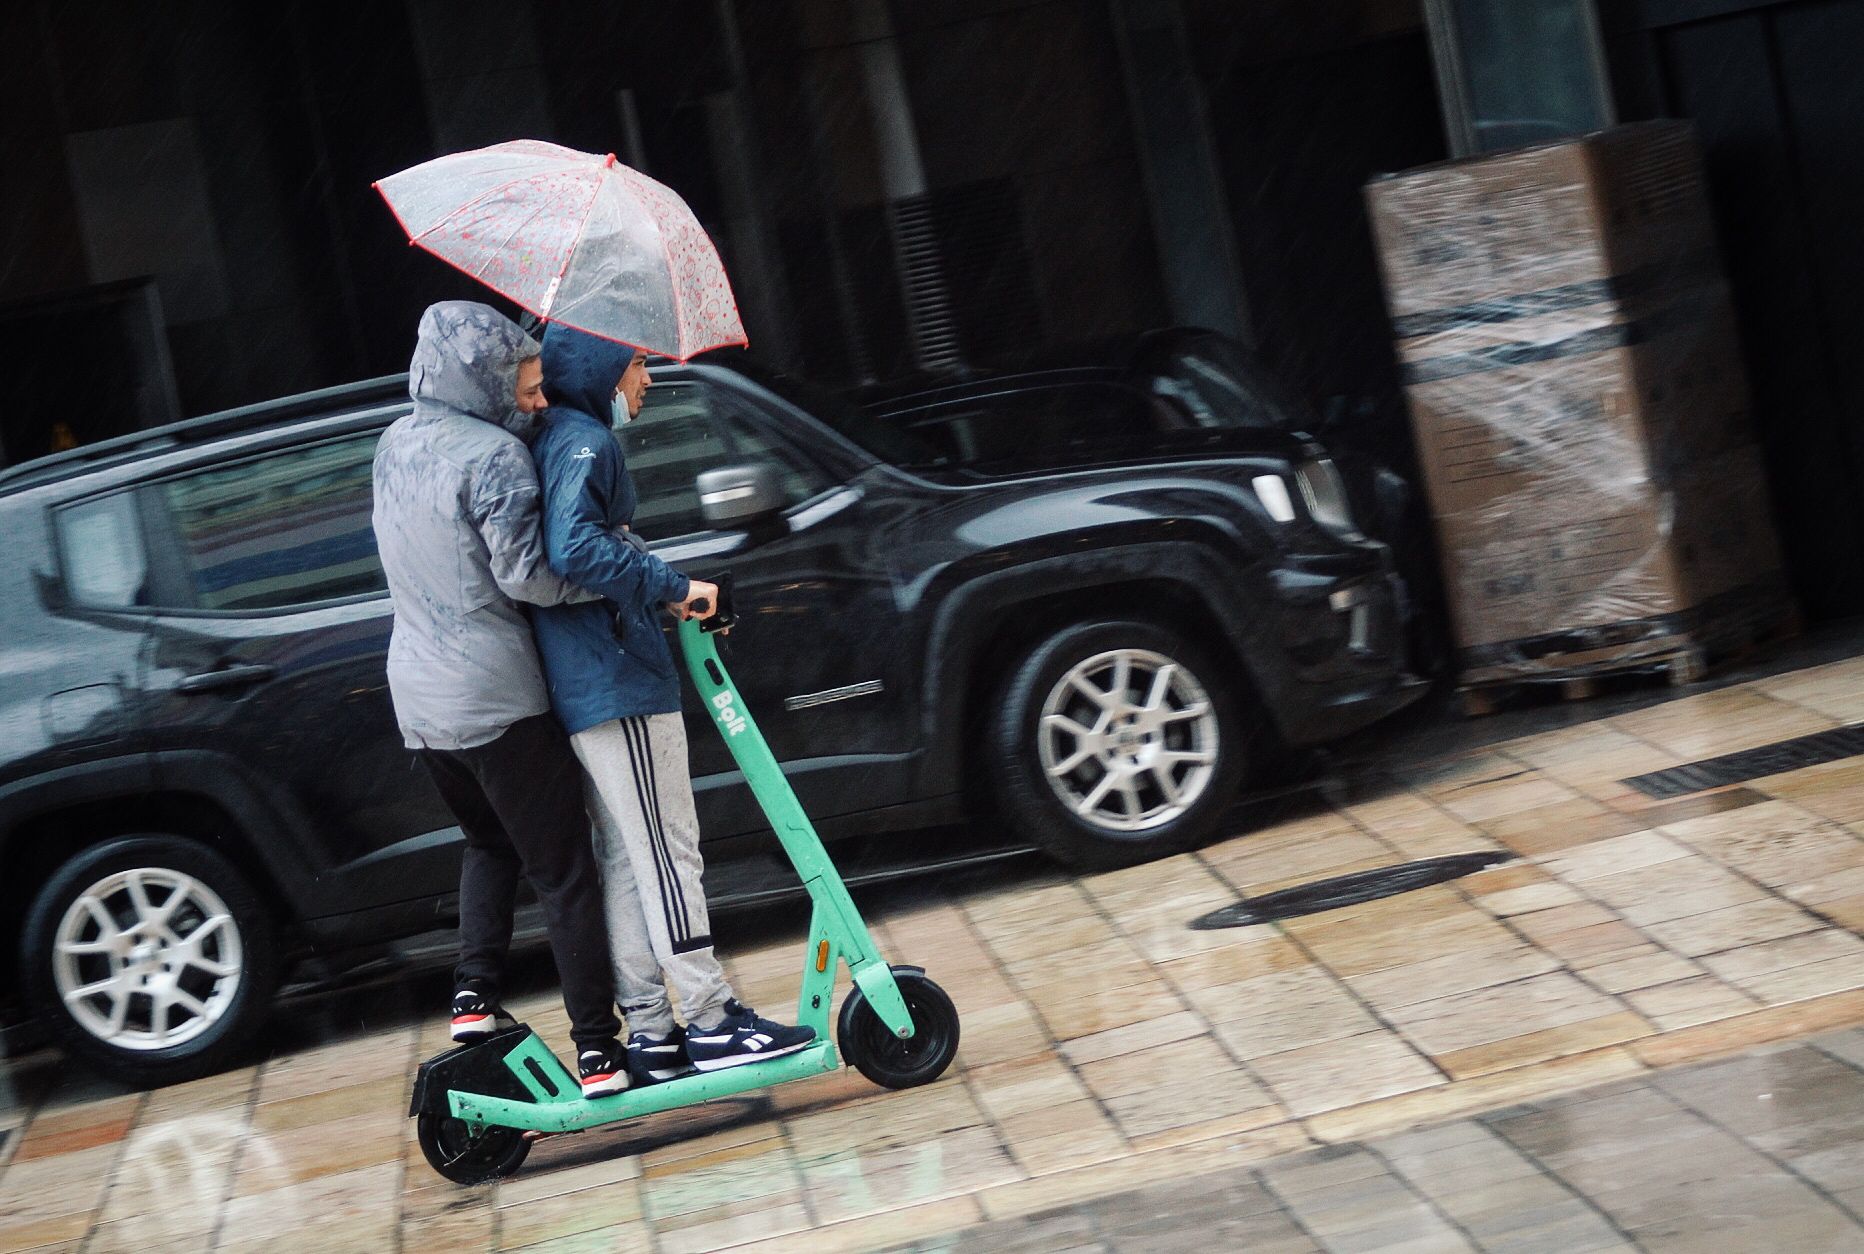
[1091,638]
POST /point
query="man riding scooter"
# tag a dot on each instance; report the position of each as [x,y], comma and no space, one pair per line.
[456,523]
[613,684]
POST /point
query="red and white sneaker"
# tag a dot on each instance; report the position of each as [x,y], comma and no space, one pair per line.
[476,1016]
[604,1070]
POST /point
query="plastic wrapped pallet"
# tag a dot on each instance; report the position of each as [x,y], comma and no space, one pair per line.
[1575,388]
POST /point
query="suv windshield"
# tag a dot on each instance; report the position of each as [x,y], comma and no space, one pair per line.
[1021,423]
[1220,385]
[887,442]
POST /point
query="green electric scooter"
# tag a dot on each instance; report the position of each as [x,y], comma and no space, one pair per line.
[480,1106]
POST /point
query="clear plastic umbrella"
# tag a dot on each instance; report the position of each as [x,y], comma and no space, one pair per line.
[574,238]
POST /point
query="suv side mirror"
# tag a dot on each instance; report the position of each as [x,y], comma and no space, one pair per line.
[735,497]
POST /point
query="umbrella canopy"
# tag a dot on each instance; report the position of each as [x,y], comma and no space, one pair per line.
[574,238]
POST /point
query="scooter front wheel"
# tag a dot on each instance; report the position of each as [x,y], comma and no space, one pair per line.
[888,1060]
[456,1153]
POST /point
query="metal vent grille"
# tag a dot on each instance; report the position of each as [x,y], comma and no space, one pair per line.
[929,315]
[1736,768]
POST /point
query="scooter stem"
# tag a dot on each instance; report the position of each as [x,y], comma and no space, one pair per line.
[835,910]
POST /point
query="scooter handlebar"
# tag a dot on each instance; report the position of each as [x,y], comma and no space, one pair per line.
[727,613]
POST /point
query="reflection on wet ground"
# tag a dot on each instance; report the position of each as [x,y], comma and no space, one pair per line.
[1117,1062]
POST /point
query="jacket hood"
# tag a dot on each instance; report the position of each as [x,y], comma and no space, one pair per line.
[581,370]
[466,358]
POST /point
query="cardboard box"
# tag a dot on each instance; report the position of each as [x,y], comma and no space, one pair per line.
[1537,589]
[1581,416]
[1577,221]
[1573,414]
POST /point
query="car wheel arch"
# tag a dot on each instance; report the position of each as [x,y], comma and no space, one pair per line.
[978,637]
[40,838]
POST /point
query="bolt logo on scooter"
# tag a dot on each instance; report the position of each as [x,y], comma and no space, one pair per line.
[728,717]
[480,1106]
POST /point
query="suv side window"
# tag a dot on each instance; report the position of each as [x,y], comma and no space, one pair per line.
[287,529]
[102,553]
[684,429]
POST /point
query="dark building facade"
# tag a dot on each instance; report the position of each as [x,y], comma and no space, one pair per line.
[1777,96]
[896,185]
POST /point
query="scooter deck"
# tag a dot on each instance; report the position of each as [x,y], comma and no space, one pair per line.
[574,1112]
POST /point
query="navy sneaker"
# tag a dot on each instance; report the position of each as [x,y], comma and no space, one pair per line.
[740,1038]
[655,1059]
[476,1016]
[604,1070]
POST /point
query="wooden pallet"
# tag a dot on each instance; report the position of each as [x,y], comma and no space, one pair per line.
[1717,646]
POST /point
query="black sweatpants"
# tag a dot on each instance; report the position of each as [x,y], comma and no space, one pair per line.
[519,801]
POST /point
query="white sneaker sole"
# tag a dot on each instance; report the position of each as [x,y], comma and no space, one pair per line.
[478,1027]
[740,1060]
[617,1083]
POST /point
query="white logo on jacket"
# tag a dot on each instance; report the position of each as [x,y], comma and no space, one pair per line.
[585,453]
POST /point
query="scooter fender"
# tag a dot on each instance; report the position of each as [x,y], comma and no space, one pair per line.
[482,1068]
[879,983]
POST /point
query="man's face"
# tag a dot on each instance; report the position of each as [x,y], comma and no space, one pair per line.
[531,398]
[632,388]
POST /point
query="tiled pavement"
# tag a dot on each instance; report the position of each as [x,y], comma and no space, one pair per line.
[1761,1153]
[1110,1048]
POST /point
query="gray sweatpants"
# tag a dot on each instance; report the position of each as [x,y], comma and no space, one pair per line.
[640,798]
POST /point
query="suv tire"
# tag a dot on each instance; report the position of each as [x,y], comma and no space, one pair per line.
[1065,725]
[174,941]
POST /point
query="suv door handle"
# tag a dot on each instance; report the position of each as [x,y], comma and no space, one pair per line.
[226,677]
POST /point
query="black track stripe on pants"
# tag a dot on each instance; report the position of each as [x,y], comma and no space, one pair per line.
[640,757]
[642,768]
[694,944]
[640,797]
[660,835]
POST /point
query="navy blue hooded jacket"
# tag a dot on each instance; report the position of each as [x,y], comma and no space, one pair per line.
[605,659]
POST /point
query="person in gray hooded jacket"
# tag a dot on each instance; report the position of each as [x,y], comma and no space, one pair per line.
[456,522]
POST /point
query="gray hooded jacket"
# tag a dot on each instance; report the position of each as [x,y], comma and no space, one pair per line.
[456,521]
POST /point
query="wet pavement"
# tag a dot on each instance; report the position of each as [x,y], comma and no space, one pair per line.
[1121,1071]
[1760,1153]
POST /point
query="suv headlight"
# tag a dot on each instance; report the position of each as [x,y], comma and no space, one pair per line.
[1272,491]
[1324,494]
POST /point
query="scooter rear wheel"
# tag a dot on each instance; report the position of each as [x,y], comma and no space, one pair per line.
[454,1152]
[886,1059]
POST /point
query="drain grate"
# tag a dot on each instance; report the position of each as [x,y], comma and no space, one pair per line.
[1347,890]
[1736,768]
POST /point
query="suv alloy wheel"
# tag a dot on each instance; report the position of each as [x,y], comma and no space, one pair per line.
[1116,743]
[151,957]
